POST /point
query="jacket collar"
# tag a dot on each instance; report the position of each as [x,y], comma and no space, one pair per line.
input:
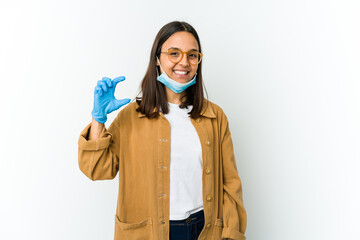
[207,110]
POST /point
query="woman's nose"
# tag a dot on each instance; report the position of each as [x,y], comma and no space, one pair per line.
[184,61]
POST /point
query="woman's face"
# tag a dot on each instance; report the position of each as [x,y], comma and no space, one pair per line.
[182,71]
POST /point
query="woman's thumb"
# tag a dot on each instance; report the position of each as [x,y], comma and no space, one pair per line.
[119,103]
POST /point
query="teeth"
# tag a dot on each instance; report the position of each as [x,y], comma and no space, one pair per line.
[180,72]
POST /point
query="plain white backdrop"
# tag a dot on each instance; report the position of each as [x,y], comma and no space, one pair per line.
[285,72]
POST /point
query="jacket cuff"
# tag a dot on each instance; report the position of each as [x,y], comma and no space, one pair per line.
[232,234]
[94,144]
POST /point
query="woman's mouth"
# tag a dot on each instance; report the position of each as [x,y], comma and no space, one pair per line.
[181,73]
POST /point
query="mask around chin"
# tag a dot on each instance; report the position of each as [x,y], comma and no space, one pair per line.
[172,84]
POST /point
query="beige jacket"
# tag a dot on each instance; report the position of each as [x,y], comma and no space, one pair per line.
[139,148]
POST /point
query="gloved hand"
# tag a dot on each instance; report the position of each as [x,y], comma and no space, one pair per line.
[104,100]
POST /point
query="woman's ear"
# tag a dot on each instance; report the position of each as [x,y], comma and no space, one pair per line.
[157,61]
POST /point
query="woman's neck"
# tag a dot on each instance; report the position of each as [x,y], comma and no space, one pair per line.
[173,97]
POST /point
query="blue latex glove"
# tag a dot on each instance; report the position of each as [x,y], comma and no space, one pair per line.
[104,100]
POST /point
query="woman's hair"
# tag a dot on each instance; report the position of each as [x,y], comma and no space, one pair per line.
[153,97]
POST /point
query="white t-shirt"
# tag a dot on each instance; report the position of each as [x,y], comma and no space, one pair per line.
[185,164]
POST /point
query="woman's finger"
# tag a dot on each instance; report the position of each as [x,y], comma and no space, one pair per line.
[118,79]
[109,82]
[105,78]
[102,84]
[98,90]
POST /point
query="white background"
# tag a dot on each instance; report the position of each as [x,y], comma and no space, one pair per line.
[285,72]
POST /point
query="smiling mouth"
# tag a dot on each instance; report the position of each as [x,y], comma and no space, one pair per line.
[182,73]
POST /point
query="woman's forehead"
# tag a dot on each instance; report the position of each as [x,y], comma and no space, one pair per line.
[182,40]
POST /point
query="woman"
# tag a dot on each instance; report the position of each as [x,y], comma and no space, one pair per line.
[177,172]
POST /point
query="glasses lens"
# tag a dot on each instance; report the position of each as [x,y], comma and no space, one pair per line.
[194,57]
[174,55]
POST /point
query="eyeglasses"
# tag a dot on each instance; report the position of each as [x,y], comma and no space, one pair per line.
[176,55]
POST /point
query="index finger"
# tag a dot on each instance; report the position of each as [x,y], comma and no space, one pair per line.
[118,79]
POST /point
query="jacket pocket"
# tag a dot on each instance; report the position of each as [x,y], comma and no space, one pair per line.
[218,228]
[142,230]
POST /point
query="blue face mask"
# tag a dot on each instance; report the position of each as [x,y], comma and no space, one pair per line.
[172,84]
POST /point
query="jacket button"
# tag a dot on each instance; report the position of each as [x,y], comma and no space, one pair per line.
[208,225]
[162,222]
[208,198]
[208,143]
[198,120]
[208,171]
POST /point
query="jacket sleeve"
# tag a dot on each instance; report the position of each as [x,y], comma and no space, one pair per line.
[99,158]
[234,214]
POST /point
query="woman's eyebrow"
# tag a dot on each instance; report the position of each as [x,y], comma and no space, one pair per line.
[180,49]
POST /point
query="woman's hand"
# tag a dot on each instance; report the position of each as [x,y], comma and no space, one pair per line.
[104,100]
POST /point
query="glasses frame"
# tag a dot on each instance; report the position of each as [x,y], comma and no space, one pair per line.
[182,55]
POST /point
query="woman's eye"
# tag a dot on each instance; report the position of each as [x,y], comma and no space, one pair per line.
[174,54]
[193,55]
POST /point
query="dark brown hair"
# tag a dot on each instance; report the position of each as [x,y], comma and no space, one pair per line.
[153,92]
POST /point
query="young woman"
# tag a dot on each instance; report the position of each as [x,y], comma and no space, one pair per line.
[178,177]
